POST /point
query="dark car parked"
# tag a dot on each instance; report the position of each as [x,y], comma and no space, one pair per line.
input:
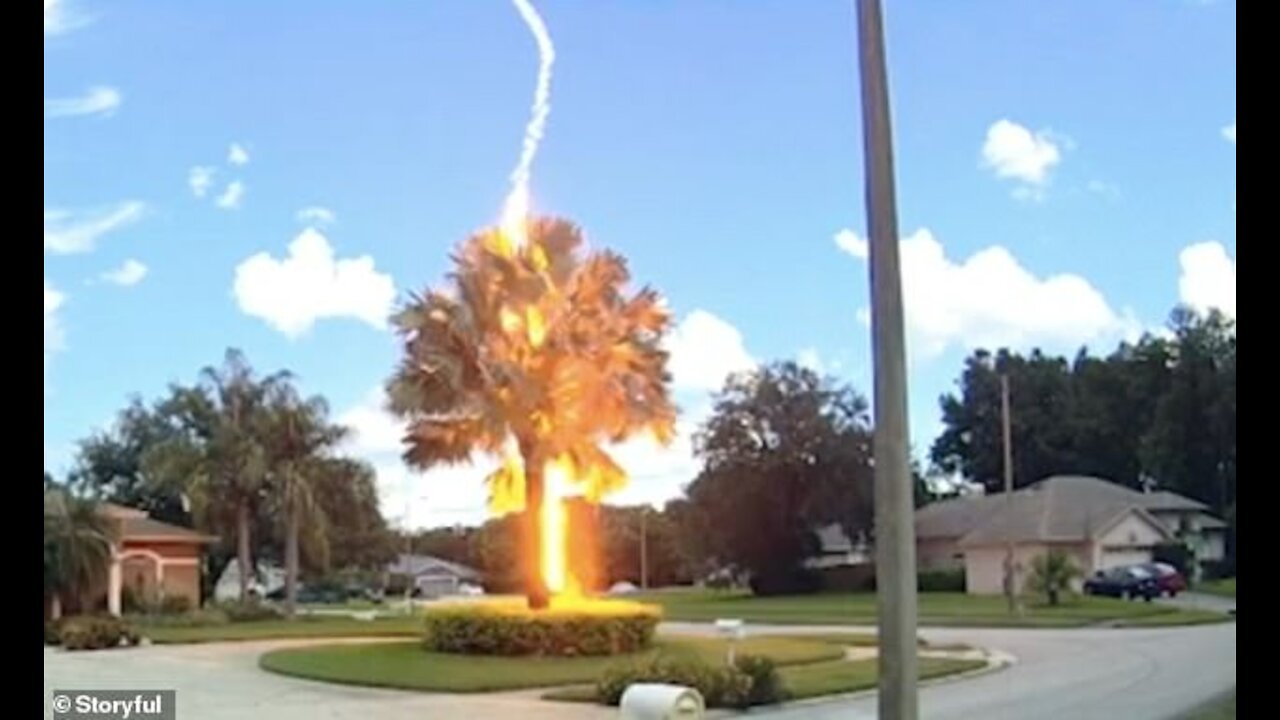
[1130,582]
[1168,579]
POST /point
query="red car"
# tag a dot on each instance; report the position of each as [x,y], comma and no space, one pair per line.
[1168,579]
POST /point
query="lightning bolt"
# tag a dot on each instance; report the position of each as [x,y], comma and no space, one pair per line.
[516,207]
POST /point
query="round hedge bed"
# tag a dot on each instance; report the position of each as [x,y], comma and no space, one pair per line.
[566,629]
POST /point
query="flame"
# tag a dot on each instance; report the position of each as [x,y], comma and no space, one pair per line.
[555,529]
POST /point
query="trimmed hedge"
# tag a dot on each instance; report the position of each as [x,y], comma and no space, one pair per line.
[751,680]
[941,580]
[96,632]
[595,628]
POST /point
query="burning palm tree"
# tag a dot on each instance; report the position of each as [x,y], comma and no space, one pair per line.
[535,353]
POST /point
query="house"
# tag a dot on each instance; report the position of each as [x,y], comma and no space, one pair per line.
[152,558]
[432,576]
[1099,524]
[269,578]
[836,549]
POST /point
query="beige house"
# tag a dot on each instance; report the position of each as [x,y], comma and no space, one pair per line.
[152,558]
[1099,524]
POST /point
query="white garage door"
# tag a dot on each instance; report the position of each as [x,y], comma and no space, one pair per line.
[1116,557]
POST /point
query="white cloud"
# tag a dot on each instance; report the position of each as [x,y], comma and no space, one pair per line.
[237,155]
[991,300]
[293,293]
[67,232]
[53,335]
[704,351]
[130,273]
[316,216]
[1015,152]
[1229,133]
[1208,278]
[58,18]
[231,197]
[99,100]
[200,179]
[850,242]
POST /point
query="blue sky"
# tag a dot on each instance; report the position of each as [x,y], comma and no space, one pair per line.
[276,176]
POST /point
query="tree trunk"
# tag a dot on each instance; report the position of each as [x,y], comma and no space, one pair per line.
[243,556]
[536,592]
[55,607]
[291,564]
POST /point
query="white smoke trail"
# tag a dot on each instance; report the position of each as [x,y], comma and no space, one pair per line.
[516,207]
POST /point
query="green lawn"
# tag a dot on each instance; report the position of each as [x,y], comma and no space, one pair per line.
[1220,709]
[406,665]
[828,678]
[953,609]
[302,627]
[1225,588]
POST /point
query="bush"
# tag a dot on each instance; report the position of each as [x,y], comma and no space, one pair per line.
[249,611]
[94,632]
[849,578]
[1176,554]
[196,618]
[750,681]
[941,580]
[788,581]
[766,684]
[1219,569]
[53,632]
[492,629]
[175,605]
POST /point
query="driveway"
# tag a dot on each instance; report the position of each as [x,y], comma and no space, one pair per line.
[1148,674]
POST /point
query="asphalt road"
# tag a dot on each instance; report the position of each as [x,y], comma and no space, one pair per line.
[1100,674]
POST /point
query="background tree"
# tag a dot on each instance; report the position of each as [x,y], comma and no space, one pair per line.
[539,346]
[784,452]
[297,437]
[1160,409]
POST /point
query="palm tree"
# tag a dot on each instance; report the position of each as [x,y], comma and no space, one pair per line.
[297,434]
[1051,575]
[77,548]
[218,451]
[537,354]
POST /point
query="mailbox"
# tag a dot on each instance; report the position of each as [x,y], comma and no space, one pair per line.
[655,701]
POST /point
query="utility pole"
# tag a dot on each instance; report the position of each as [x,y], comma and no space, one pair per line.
[644,547]
[1009,590]
[894,521]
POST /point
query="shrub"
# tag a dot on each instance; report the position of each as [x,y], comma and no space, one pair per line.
[750,681]
[785,581]
[1051,575]
[951,580]
[849,578]
[1176,554]
[766,684]
[94,632]
[175,605]
[249,611]
[52,632]
[1219,569]
[494,629]
[196,618]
